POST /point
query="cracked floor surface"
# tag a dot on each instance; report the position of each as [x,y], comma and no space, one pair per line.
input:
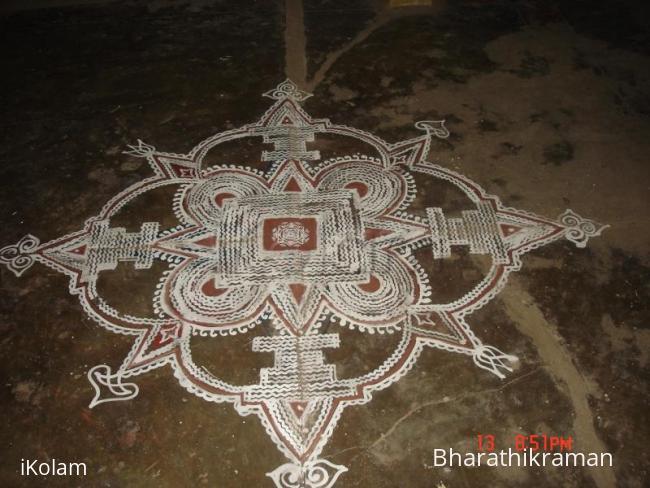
[547,104]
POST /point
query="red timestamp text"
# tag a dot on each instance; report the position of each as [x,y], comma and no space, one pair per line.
[525,442]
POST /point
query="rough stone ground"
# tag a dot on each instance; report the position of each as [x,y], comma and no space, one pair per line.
[548,104]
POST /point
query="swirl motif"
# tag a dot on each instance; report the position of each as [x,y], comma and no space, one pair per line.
[578,229]
[287,89]
[18,257]
[319,473]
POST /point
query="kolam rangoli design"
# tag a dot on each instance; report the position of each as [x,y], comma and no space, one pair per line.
[303,249]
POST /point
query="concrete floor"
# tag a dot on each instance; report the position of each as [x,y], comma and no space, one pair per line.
[547,104]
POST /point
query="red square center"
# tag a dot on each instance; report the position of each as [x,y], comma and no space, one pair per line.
[290,233]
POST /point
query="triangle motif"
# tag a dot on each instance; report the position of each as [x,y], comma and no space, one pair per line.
[298,291]
[210,241]
[298,408]
[508,230]
[292,185]
[81,250]
[374,233]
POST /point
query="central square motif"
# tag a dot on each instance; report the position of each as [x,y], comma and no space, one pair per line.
[292,237]
[290,233]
